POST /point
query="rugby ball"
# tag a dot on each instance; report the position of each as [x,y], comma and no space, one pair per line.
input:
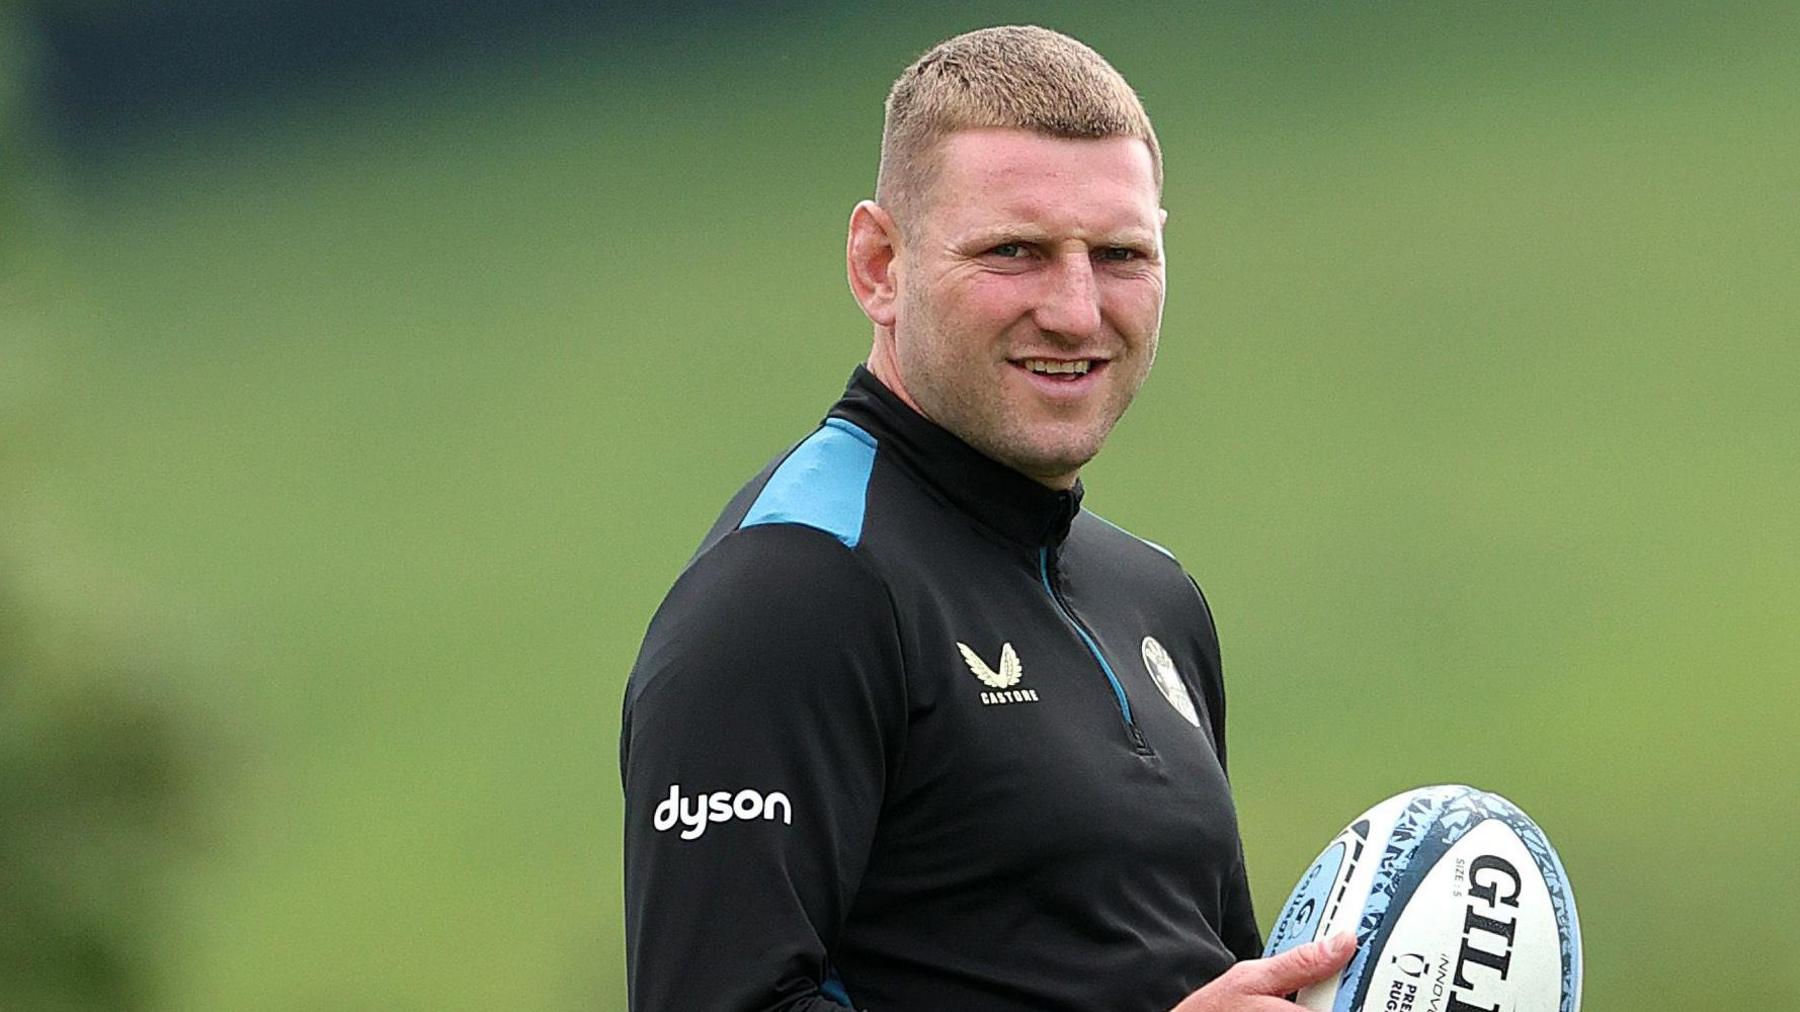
[1458,902]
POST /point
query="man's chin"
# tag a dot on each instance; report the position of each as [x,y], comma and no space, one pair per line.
[1054,465]
[1047,450]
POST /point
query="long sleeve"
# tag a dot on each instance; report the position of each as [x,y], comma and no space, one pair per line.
[763,720]
[1239,931]
[1238,928]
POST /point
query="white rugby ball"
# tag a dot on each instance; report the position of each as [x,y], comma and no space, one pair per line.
[1458,902]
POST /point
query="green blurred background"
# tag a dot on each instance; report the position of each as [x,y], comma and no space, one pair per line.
[368,371]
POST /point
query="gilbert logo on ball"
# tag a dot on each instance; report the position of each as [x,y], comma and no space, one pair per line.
[1458,902]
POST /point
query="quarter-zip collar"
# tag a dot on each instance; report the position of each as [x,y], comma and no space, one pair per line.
[1017,507]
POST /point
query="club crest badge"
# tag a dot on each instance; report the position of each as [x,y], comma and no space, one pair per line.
[1162,671]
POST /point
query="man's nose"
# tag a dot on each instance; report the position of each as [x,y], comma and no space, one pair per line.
[1070,303]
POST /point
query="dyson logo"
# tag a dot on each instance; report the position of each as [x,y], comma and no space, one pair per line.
[694,813]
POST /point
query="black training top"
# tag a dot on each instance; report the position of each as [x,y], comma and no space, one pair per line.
[915,733]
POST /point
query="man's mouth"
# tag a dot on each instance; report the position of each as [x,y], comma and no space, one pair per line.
[1063,370]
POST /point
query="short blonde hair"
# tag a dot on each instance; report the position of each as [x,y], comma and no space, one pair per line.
[1018,76]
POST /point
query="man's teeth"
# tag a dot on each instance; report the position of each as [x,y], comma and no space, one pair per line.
[1078,367]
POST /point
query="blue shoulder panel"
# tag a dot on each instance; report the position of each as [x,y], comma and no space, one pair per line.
[822,484]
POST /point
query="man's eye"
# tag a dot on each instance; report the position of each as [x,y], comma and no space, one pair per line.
[1007,250]
[1119,253]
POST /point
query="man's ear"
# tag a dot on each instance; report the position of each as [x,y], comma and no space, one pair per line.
[869,256]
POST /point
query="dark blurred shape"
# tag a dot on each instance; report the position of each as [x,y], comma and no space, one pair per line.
[95,773]
[90,788]
[95,802]
[112,63]
[116,65]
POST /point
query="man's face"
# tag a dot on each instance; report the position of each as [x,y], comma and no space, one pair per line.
[1030,290]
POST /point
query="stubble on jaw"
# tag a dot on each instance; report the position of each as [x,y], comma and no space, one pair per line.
[982,416]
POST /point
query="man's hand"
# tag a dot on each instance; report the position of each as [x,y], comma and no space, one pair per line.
[1257,985]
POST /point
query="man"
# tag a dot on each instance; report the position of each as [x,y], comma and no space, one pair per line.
[913,731]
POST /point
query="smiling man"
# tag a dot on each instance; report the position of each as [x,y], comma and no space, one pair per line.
[914,732]
[1025,272]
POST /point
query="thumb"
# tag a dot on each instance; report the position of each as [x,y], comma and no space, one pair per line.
[1300,966]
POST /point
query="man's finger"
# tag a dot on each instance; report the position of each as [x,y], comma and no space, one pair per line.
[1298,967]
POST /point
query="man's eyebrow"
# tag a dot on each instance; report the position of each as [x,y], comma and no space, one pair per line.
[995,235]
[1131,237]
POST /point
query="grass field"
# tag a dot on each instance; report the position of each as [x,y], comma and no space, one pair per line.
[384,413]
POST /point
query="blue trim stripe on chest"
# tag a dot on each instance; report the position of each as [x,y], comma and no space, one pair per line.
[833,988]
[823,484]
[1093,648]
